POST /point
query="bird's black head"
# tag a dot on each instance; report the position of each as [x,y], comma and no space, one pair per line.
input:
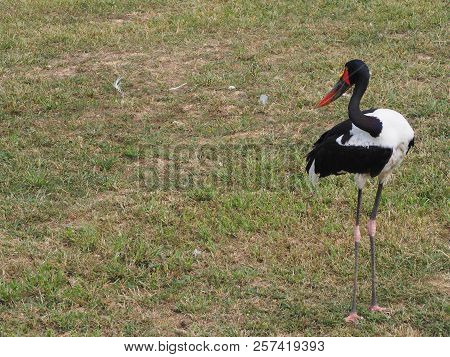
[354,71]
[357,70]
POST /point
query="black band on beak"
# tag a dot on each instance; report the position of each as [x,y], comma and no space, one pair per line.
[340,88]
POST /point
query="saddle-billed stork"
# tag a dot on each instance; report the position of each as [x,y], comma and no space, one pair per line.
[370,143]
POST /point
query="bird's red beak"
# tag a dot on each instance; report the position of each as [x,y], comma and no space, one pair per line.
[340,88]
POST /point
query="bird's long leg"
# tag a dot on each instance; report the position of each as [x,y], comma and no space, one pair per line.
[353,316]
[371,227]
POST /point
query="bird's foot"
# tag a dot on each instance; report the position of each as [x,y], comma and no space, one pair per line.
[376,308]
[353,318]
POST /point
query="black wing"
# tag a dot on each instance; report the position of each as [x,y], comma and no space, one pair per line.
[332,158]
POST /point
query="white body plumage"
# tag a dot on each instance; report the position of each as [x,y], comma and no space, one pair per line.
[396,135]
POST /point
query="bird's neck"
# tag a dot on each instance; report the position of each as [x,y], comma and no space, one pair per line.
[367,123]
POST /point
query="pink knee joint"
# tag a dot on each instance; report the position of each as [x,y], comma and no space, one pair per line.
[372,227]
[357,233]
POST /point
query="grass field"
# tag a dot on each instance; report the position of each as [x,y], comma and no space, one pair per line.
[89,247]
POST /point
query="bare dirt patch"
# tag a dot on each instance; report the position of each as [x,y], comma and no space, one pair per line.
[441,282]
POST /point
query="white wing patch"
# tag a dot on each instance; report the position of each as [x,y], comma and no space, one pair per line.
[314,178]
[396,131]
